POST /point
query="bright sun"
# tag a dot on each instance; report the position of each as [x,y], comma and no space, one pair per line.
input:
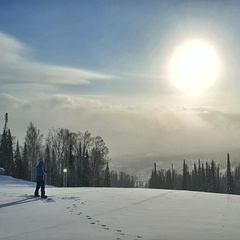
[194,67]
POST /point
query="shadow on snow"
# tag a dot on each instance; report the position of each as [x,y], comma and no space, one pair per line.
[22,201]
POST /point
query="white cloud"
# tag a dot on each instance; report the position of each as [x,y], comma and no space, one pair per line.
[16,64]
[11,50]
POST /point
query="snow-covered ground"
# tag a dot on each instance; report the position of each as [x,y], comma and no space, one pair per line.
[115,213]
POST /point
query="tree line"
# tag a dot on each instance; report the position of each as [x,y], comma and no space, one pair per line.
[77,159]
[73,159]
[205,177]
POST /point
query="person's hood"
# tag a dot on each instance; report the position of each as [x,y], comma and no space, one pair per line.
[41,164]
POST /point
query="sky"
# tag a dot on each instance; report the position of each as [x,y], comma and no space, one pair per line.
[102,66]
[115,213]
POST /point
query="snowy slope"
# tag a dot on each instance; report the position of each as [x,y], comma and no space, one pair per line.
[111,213]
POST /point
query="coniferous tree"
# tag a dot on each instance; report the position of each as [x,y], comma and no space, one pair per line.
[160,181]
[208,177]
[107,177]
[153,179]
[237,179]
[173,178]
[125,180]
[9,154]
[195,178]
[122,179]
[4,148]
[169,182]
[47,161]
[185,176]
[19,167]
[25,163]
[203,178]
[230,185]
[200,184]
[213,177]
[114,179]
[207,171]
[218,179]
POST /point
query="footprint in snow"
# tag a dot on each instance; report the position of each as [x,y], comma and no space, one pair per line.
[119,232]
[105,226]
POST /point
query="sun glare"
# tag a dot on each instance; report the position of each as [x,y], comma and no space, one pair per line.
[194,67]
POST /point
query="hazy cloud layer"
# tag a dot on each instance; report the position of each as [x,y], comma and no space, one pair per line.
[130,133]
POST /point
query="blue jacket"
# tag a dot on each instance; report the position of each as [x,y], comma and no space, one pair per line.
[40,171]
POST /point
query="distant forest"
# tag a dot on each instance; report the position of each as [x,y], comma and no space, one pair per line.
[81,160]
[71,159]
[204,177]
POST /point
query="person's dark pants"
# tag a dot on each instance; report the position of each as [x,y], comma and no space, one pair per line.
[40,184]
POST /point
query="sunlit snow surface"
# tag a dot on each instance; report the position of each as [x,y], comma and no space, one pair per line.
[115,213]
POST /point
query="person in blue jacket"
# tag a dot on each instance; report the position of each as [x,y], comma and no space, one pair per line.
[40,172]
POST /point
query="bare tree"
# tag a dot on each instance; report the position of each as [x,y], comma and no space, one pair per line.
[98,160]
[33,141]
[59,141]
[82,144]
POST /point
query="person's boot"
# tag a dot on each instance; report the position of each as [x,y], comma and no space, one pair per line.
[43,196]
[36,194]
